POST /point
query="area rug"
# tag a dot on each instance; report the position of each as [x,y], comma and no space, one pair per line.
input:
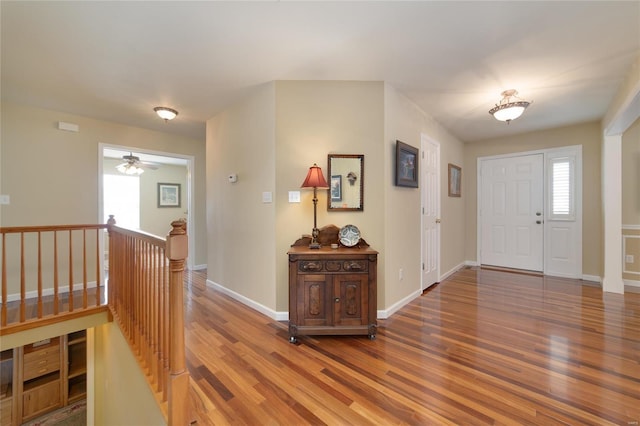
[71,415]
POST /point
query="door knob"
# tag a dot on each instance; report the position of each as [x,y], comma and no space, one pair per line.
[437,220]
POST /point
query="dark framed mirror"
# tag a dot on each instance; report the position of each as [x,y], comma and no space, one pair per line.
[346,182]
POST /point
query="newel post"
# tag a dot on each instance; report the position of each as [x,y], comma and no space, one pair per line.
[176,251]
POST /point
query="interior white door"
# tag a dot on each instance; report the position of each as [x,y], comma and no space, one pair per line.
[511,212]
[430,212]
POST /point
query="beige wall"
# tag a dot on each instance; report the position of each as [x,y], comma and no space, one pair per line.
[589,135]
[631,175]
[122,395]
[52,175]
[287,126]
[241,229]
[631,201]
[314,119]
[402,206]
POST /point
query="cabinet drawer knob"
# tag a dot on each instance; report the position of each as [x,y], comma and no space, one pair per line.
[337,300]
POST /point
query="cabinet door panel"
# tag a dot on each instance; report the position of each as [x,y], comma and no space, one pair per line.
[42,399]
[351,307]
[315,292]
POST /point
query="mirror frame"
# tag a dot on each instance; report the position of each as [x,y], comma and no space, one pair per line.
[360,177]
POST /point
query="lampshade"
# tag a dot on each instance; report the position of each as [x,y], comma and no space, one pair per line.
[129,169]
[510,106]
[315,179]
[166,113]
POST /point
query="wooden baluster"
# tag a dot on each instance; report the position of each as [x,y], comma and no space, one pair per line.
[3,319]
[166,323]
[22,280]
[70,271]
[39,274]
[179,378]
[162,328]
[56,299]
[84,269]
[98,266]
[112,264]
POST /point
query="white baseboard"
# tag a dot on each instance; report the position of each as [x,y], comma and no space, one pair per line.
[454,270]
[593,278]
[386,313]
[63,289]
[278,316]
[470,263]
[199,267]
[632,283]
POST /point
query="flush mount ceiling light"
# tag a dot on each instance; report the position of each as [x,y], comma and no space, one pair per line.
[510,106]
[166,113]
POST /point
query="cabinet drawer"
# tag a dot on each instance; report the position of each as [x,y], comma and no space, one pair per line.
[41,399]
[336,265]
[41,362]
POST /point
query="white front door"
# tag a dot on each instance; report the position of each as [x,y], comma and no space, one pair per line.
[430,212]
[511,212]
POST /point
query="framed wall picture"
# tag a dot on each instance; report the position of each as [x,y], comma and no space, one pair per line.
[455,181]
[336,187]
[406,165]
[168,195]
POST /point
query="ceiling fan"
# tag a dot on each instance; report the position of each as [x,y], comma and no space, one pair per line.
[133,166]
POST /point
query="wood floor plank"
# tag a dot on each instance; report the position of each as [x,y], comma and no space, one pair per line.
[482,347]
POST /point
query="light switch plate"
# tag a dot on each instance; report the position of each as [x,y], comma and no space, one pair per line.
[267,197]
[5,199]
[294,196]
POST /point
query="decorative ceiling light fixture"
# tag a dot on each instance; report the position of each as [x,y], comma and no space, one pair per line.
[166,113]
[510,106]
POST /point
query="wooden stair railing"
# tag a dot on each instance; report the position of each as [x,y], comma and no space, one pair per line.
[40,286]
[146,299]
[49,274]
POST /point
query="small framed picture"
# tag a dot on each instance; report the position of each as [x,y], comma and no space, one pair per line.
[406,165]
[336,187]
[168,195]
[455,181]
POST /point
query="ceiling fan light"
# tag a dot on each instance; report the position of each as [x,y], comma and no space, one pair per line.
[506,110]
[129,169]
[166,113]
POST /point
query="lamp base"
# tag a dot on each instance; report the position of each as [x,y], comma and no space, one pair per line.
[314,245]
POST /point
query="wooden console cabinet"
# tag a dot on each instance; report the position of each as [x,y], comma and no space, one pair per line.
[332,291]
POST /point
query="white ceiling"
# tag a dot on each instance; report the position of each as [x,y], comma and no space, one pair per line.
[116,60]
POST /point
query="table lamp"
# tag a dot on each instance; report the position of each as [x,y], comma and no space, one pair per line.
[315,180]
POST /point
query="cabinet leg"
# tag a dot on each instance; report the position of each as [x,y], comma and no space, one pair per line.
[293,332]
[372,331]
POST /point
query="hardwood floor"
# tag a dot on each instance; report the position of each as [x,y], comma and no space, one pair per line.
[482,347]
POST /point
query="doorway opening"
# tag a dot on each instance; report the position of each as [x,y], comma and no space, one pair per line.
[141,209]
